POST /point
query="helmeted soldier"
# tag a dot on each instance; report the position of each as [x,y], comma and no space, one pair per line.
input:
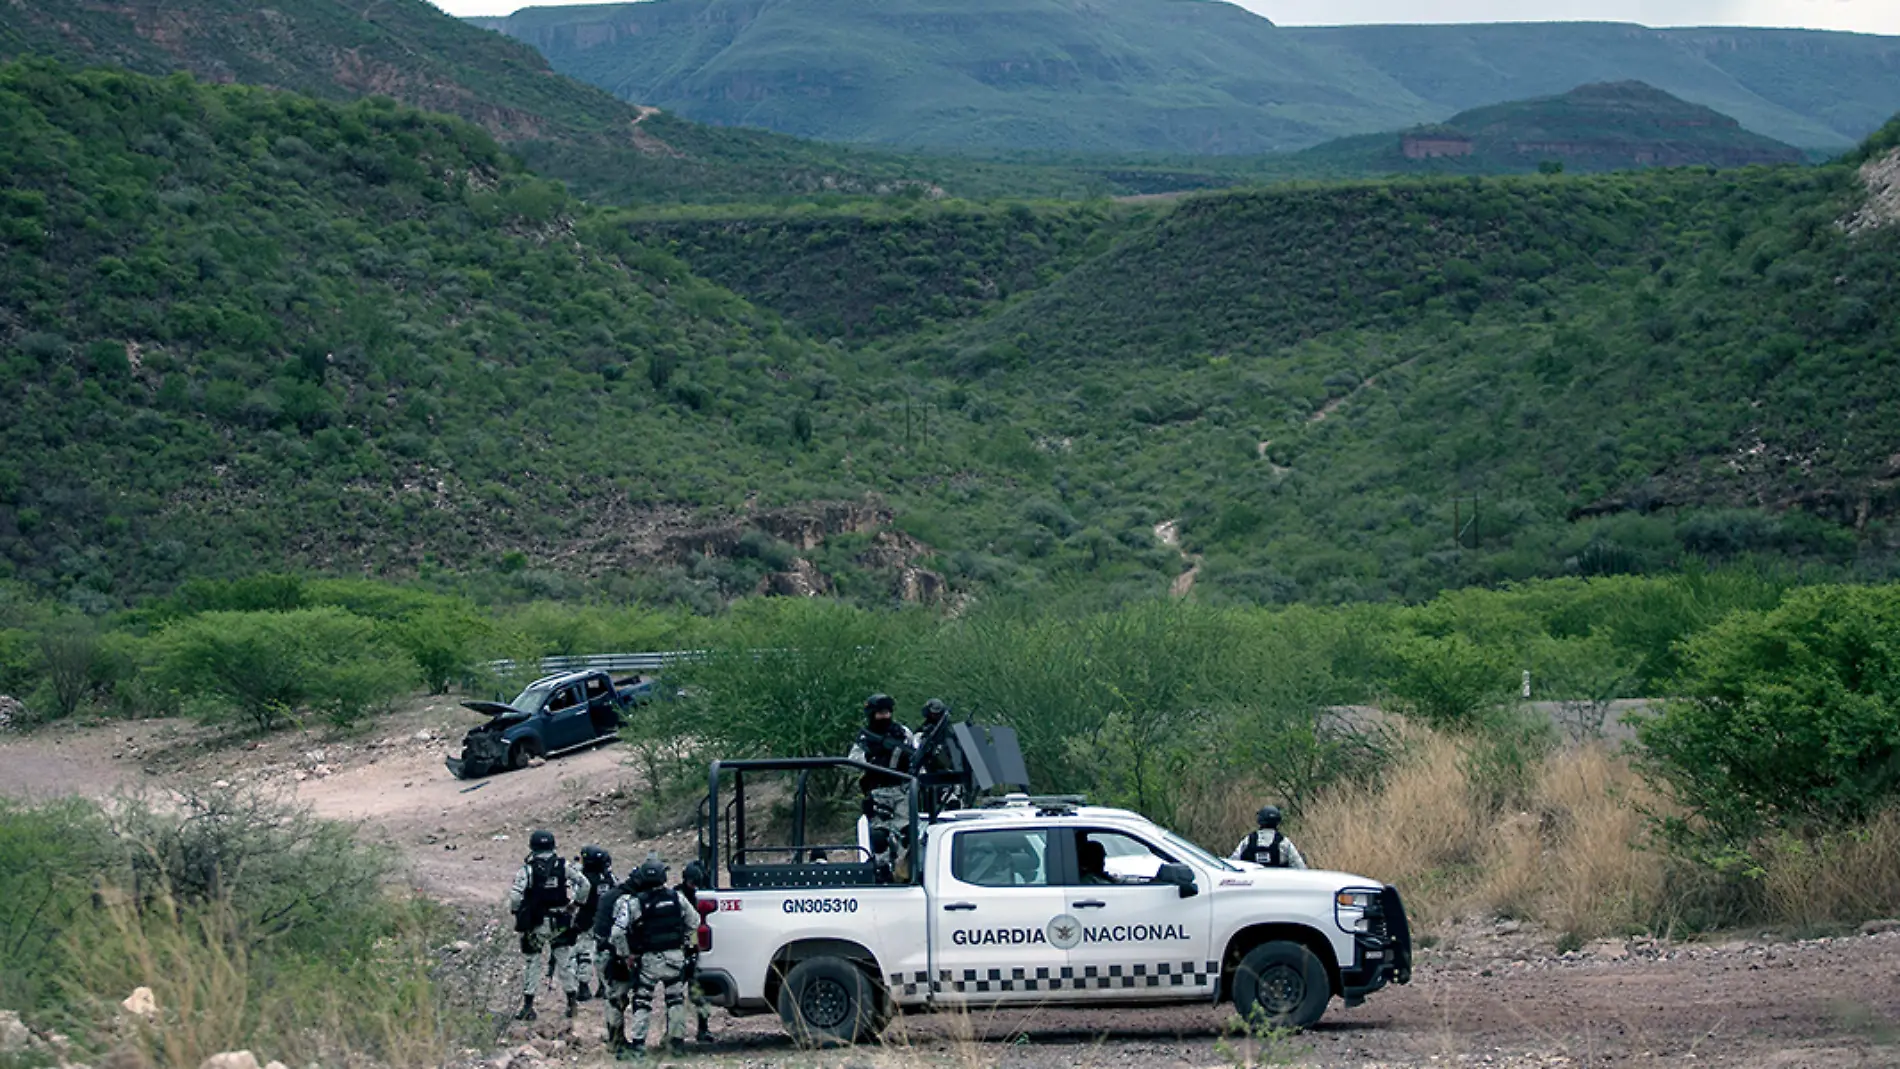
[651,929]
[1266,846]
[937,753]
[542,900]
[597,868]
[885,743]
[692,878]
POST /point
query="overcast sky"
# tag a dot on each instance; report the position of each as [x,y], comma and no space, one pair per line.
[1866,16]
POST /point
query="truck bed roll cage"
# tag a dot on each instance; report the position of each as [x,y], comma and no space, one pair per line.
[992,759]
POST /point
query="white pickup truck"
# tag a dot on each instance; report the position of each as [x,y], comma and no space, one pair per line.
[1020,902]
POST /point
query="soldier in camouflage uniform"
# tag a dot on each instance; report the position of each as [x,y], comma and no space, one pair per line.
[692,878]
[542,900]
[652,928]
[885,743]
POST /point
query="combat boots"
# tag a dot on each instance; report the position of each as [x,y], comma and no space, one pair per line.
[573,1002]
[583,993]
[526,1013]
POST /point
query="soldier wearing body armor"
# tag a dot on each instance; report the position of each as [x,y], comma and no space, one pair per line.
[1266,846]
[938,753]
[651,929]
[692,878]
[542,900]
[597,869]
[885,743]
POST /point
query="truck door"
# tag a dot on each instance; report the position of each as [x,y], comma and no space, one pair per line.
[991,914]
[565,718]
[602,705]
[1138,939]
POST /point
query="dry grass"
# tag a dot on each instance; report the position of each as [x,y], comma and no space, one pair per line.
[1838,879]
[1576,853]
[1417,829]
[216,992]
[1574,856]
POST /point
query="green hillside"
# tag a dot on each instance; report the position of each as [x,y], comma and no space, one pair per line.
[1590,128]
[1809,88]
[867,273]
[1171,76]
[1580,374]
[244,327]
[1193,76]
[410,51]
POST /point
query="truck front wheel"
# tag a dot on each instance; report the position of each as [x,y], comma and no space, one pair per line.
[828,1002]
[518,755]
[1281,985]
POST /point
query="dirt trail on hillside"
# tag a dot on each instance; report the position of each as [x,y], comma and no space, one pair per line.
[1486,994]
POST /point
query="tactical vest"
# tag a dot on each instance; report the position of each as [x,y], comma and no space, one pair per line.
[597,885]
[884,749]
[661,925]
[1268,855]
[547,883]
[604,912]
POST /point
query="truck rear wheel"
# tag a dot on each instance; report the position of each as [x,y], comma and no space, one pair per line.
[828,1002]
[1281,985]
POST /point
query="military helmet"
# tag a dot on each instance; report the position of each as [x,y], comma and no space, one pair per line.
[1269,816]
[936,709]
[594,859]
[694,874]
[652,873]
[541,840]
[879,703]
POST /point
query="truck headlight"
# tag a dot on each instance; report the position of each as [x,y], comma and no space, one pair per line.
[1354,908]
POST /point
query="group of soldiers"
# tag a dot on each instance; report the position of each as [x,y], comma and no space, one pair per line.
[629,937]
[886,744]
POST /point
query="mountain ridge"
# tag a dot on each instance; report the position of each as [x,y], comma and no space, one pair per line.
[1597,127]
[1133,77]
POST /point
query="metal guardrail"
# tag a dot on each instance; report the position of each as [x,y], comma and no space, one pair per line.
[606,662]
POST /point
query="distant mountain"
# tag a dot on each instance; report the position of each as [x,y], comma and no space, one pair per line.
[410,51]
[1174,76]
[1591,128]
[1187,76]
[1808,88]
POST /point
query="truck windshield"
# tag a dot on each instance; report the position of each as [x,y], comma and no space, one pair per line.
[1195,852]
[530,700]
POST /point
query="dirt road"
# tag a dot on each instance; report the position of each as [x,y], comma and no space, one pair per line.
[1486,994]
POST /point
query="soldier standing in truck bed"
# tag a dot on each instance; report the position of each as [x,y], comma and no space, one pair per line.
[885,743]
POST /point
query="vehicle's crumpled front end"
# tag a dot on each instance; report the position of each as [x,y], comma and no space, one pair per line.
[483,751]
[1382,940]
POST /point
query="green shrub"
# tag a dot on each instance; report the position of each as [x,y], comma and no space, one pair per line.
[1452,682]
[1788,717]
[268,666]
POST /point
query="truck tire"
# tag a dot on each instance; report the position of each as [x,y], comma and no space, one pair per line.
[828,1002]
[1281,985]
[518,755]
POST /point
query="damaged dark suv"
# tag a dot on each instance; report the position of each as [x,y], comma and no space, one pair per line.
[556,714]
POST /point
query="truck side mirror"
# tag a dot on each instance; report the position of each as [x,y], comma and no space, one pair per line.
[1179,875]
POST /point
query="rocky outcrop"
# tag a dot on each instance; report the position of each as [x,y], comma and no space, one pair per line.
[1881,178]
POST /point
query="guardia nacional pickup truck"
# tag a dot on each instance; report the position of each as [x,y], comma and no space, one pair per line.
[1021,901]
